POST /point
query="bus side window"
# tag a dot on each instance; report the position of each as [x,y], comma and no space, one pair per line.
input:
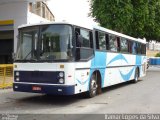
[77,33]
[139,48]
[101,41]
[124,45]
[134,48]
[83,39]
[84,43]
[113,43]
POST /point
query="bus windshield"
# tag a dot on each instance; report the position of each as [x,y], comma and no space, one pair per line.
[45,43]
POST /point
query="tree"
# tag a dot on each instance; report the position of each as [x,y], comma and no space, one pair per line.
[140,16]
[157,21]
[150,22]
[112,14]
[137,18]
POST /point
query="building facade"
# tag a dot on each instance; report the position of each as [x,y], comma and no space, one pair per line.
[14,13]
[153,45]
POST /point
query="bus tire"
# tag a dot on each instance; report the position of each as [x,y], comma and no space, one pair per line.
[92,87]
[136,76]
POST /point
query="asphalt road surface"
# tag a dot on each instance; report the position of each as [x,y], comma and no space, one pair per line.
[127,98]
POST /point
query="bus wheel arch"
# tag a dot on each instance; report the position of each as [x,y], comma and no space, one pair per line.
[99,82]
[94,84]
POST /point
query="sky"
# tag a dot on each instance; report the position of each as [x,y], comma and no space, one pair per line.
[74,11]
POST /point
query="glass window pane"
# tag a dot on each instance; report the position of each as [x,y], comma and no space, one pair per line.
[113,43]
[56,40]
[102,42]
[124,45]
[134,48]
[85,36]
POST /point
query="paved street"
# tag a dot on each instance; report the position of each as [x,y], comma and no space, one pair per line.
[142,97]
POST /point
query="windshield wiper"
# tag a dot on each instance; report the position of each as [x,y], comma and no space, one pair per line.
[33,59]
[27,55]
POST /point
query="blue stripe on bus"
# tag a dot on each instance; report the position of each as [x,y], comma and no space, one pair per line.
[118,57]
[127,76]
[99,61]
[84,82]
[138,60]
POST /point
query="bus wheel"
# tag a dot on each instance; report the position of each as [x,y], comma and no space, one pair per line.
[136,76]
[92,87]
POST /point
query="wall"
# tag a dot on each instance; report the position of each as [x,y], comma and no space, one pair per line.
[16,11]
[153,45]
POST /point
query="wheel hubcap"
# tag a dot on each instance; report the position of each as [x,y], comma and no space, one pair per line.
[93,86]
[136,76]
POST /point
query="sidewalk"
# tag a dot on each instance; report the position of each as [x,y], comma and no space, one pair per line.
[6,90]
[155,66]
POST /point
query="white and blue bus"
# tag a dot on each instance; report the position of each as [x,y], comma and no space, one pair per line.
[67,59]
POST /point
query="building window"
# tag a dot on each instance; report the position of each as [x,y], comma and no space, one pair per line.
[30,7]
[41,9]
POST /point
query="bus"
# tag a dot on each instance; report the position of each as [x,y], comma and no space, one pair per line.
[67,59]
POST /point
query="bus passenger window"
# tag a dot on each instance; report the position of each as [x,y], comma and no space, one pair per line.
[102,41]
[86,38]
[139,48]
[113,43]
[124,45]
[83,38]
[84,43]
[77,33]
[134,47]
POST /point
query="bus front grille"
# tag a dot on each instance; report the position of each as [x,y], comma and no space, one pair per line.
[37,76]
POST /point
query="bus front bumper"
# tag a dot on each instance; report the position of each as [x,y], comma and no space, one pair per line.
[45,89]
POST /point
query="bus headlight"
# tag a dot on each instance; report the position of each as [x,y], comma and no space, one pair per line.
[17,73]
[17,78]
[61,74]
[61,80]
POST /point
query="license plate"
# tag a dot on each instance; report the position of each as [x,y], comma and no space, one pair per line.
[35,88]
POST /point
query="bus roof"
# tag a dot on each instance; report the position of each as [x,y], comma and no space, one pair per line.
[119,34]
[54,23]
